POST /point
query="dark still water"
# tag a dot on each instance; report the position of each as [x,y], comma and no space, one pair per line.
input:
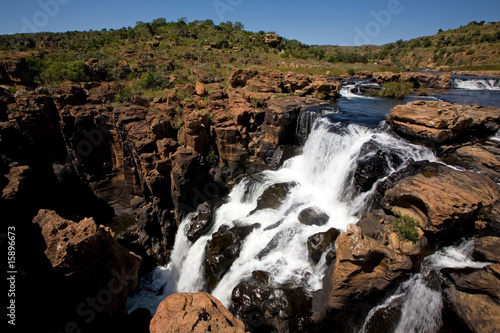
[481,97]
[369,111]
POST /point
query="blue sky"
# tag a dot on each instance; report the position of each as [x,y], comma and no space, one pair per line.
[312,22]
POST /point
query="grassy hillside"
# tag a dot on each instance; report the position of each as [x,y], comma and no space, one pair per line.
[157,55]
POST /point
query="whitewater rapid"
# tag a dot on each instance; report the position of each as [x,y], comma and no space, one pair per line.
[323,179]
[418,302]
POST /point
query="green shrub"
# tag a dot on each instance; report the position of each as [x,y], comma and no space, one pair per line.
[396,89]
[152,80]
[123,95]
[351,71]
[422,91]
[121,223]
[406,227]
[255,103]
[212,157]
[74,71]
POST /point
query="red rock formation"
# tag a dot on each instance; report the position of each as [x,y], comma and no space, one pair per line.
[86,252]
[362,266]
[440,122]
[197,313]
[440,197]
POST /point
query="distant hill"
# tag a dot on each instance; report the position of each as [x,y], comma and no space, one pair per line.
[150,55]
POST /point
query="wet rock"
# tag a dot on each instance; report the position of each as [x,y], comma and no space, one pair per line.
[281,154]
[280,238]
[222,250]
[197,313]
[313,216]
[187,176]
[273,196]
[372,224]
[271,309]
[373,164]
[318,243]
[204,218]
[362,267]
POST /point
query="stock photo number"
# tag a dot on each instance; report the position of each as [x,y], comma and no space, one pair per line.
[11,275]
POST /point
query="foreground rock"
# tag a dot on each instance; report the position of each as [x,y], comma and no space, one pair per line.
[474,296]
[197,313]
[265,308]
[440,122]
[86,252]
[362,267]
[439,197]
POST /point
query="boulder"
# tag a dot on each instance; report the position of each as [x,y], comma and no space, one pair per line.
[272,39]
[318,243]
[90,256]
[374,163]
[273,196]
[16,70]
[264,308]
[222,250]
[313,216]
[440,197]
[482,158]
[475,298]
[203,220]
[486,249]
[362,267]
[197,313]
[440,122]
[200,89]
[239,77]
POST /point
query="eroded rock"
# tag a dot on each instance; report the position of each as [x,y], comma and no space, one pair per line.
[197,313]
[439,122]
[222,250]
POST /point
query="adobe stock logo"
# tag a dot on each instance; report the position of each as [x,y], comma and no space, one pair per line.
[382,19]
[222,6]
[49,9]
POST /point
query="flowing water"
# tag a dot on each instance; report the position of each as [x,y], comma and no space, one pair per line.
[323,178]
[332,137]
[484,91]
[417,303]
[475,83]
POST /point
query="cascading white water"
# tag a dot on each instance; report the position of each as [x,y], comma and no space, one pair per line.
[476,83]
[346,91]
[420,303]
[321,174]
[496,136]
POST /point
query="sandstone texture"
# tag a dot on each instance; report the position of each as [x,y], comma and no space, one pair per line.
[197,313]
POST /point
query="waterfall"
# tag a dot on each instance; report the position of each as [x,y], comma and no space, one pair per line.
[417,303]
[353,90]
[496,136]
[320,177]
[470,83]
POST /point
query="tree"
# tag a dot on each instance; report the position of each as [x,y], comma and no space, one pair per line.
[238,26]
